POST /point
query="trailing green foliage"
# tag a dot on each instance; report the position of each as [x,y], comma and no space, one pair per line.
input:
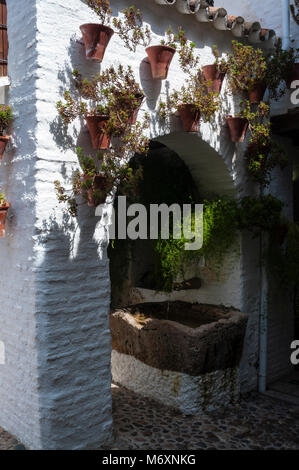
[6,117]
[221,221]
[219,232]
[263,154]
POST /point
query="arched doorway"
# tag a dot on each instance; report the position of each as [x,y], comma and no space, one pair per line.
[180,167]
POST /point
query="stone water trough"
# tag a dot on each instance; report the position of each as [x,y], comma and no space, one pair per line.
[183,355]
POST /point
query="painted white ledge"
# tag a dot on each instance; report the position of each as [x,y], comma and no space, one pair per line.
[4,81]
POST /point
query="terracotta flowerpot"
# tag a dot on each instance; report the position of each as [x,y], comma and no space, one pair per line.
[190,117]
[96,125]
[3,214]
[96,38]
[160,58]
[238,127]
[210,72]
[257,92]
[293,76]
[133,118]
[99,182]
[3,142]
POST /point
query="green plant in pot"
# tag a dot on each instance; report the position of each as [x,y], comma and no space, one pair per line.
[4,206]
[109,102]
[94,185]
[6,118]
[96,36]
[246,67]
[215,72]
[263,153]
[160,56]
[192,101]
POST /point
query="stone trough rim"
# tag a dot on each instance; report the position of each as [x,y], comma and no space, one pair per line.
[200,331]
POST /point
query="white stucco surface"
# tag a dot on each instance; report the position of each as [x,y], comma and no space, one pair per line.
[55,383]
[182,391]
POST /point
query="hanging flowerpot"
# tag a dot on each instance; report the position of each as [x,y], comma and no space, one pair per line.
[96,38]
[211,73]
[139,98]
[99,188]
[238,127]
[96,125]
[160,58]
[3,213]
[3,142]
[257,92]
[190,117]
[293,76]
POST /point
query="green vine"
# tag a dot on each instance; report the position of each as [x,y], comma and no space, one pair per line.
[263,154]
[222,219]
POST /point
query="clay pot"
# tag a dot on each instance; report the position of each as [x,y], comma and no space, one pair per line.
[3,214]
[293,76]
[190,117]
[238,127]
[96,38]
[133,119]
[257,92]
[95,125]
[160,58]
[99,182]
[210,72]
[3,142]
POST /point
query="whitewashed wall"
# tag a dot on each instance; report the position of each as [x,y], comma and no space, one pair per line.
[55,385]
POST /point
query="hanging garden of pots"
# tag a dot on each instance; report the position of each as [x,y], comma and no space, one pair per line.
[110,101]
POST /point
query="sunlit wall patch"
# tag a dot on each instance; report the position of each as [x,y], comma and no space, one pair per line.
[2,353]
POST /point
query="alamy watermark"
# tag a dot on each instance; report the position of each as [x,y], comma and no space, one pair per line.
[158,221]
[295,354]
[295,94]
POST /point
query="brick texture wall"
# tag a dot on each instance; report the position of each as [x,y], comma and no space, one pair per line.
[55,384]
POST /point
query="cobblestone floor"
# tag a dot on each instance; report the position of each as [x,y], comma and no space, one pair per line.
[7,442]
[258,422]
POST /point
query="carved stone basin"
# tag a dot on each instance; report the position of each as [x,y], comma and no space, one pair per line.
[162,349]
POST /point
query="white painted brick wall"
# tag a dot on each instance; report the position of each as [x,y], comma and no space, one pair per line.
[55,385]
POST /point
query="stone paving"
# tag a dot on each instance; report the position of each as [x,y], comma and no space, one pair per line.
[7,442]
[257,422]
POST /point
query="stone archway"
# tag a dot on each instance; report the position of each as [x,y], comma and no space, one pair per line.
[210,176]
